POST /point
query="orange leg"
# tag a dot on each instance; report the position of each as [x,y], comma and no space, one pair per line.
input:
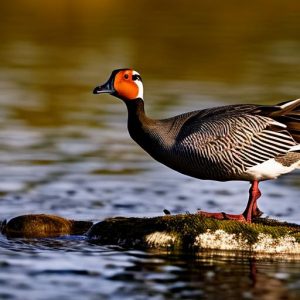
[254,194]
[251,208]
[250,211]
[256,212]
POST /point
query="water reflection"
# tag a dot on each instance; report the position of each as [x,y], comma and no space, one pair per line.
[209,275]
[111,272]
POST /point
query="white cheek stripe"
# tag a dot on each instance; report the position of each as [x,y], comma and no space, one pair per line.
[141,89]
[140,86]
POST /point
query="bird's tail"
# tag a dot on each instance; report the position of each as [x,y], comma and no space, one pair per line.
[287,113]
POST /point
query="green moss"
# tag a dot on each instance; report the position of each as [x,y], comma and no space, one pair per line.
[189,226]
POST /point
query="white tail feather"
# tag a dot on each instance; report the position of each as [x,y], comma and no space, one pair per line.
[295,148]
[285,105]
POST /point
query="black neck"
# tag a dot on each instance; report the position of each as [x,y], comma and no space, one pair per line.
[136,111]
[138,122]
[136,114]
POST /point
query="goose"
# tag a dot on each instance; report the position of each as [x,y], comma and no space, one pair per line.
[247,142]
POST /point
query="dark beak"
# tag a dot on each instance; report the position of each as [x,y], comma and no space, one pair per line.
[105,88]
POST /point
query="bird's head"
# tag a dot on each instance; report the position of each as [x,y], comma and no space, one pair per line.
[125,84]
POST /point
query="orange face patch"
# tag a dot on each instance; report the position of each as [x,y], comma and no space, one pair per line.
[125,86]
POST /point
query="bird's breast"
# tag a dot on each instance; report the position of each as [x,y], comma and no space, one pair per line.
[184,158]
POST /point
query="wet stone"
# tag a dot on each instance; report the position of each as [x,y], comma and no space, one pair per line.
[42,225]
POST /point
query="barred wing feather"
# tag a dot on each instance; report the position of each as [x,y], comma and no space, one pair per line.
[226,145]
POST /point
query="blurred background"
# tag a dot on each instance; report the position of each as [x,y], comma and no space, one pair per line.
[67,152]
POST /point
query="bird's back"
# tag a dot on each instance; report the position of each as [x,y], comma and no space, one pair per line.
[219,143]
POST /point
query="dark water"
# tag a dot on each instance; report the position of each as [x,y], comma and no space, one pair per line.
[67,152]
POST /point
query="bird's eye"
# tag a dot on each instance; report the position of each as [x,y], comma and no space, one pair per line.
[136,77]
[126,76]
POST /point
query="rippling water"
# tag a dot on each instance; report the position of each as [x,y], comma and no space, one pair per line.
[67,152]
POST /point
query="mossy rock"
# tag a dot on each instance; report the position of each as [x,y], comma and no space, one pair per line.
[196,232]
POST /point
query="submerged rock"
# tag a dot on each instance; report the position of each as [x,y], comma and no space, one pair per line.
[42,225]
